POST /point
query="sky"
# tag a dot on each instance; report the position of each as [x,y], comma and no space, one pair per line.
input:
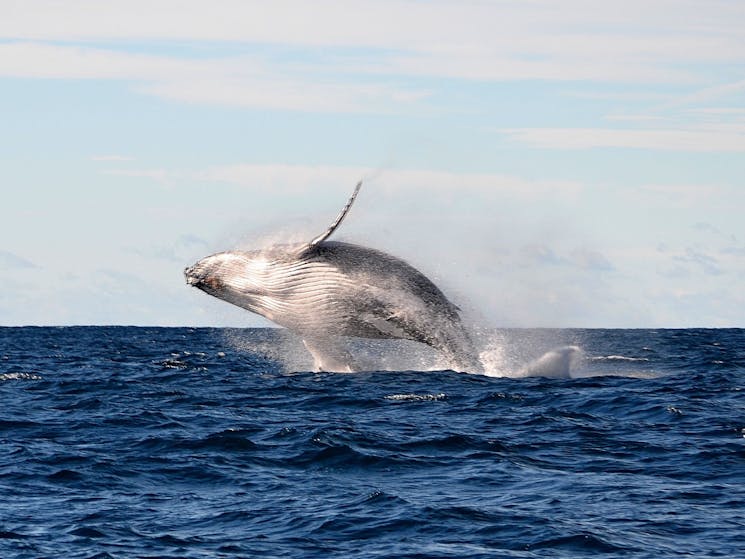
[548,164]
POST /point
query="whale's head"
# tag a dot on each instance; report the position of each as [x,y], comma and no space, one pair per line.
[241,278]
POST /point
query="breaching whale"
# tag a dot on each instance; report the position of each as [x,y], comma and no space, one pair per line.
[325,290]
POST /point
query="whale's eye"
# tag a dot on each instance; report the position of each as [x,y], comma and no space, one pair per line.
[212,282]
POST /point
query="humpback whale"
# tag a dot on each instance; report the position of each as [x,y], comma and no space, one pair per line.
[325,291]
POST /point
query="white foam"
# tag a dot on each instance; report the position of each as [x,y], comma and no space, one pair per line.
[416,397]
[19,376]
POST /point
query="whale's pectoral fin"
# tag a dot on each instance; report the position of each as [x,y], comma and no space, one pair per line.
[393,315]
[329,355]
[326,234]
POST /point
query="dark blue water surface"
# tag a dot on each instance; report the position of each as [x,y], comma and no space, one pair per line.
[173,442]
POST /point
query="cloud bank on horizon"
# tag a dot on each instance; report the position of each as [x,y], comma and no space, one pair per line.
[550,164]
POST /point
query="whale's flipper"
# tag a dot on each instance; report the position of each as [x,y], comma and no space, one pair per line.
[326,234]
[388,312]
[329,356]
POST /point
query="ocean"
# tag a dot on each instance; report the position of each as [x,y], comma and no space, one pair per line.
[129,442]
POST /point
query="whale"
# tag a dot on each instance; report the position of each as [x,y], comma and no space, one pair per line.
[328,291]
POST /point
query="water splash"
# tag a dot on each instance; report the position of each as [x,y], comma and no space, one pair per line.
[557,363]
[276,345]
[499,357]
[503,359]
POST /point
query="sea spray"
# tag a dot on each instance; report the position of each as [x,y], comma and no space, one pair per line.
[499,356]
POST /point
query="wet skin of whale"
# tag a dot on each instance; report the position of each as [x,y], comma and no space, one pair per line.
[325,291]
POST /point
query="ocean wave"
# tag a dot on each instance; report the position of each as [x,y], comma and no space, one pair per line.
[416,397]
[620,358]
[19,376]
[126,448]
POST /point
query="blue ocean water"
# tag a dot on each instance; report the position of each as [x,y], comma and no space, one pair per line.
[173,442]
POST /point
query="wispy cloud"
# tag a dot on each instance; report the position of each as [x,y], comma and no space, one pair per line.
[9,260]
[661,139]
[710,93]
[246,81]
[680,195]
[706,227]
[111,158]
[706,262]
[357,57]
[581,258]
[515,40]
[734,112]
[635,118]
[274,92]
[292,179]
[738,251]
[180,250]
[161,176]
[542,255]
[593,260]
[300,177]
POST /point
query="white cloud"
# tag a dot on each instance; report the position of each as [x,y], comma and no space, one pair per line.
[682,195]
[111,158]
[706,227]
[635,118]
[693,140]
[300,177]
[705,262]
[732,112]
[286,177]
[161,176]
[361,56]
[542,39]
[180,250]
[737,251]
[12,261]
[503,64]
[593,260]
[39,60]
[283,93]
[710,93]
[542,255]
[235,80]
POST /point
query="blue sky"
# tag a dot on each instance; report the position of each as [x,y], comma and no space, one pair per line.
[548,163]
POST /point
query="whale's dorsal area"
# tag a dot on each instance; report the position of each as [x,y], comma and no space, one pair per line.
[328,232]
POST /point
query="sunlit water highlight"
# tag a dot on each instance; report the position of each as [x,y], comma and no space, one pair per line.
[150,442]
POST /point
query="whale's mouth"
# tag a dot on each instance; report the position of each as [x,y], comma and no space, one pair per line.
[191,277]
[200,280]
